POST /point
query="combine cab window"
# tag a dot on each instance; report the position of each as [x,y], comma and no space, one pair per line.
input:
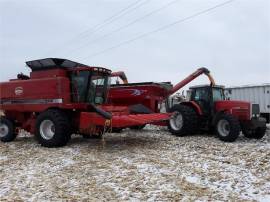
[79,82]
[88,87]
[98,89]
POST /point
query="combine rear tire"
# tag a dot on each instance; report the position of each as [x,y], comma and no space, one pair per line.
[184,120]
[257,133]
[53,128]
[227,128]
[7,130]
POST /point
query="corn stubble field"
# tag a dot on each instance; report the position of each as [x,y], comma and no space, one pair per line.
[136,165]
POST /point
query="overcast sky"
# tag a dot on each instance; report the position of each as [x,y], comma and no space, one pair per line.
[233,41]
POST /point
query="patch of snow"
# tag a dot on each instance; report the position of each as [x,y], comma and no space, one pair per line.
[193,179]
[3,158]
[4,191]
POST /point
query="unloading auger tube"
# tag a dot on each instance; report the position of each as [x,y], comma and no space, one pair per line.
[121,75]
[191,77]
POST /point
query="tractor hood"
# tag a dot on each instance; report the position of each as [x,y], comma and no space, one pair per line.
[239,109]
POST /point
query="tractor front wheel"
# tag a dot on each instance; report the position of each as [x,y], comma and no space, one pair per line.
[7,130]
[53,128]
[184,120]
[227,128]
[257,133]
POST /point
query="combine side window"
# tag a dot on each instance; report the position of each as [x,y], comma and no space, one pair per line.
[98,89]
[79,82]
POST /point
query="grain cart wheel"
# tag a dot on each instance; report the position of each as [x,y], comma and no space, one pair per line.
[227,128]
[257,133]
[183,121]
[53,128]
[7,130]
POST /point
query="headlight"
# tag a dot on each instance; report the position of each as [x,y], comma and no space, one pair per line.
[255,110]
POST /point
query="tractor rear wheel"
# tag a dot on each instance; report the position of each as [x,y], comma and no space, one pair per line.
[257,133]
[184,120]
[7,130]
[53,128]
[227,128]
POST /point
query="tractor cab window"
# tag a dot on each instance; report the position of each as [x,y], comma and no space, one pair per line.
[218,94]
[201,94]
[202,97]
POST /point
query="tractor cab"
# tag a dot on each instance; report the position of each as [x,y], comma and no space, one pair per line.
[206,96]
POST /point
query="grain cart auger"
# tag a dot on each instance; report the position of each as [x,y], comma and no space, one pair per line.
[207,108]
[62,97]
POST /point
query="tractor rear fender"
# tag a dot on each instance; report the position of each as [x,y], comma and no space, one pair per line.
[194,106]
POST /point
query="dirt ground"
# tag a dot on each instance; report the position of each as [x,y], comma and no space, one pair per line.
[147,165]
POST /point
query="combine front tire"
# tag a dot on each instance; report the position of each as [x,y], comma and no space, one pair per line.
[227,128]
[53,128]
[7,130]
[184,120]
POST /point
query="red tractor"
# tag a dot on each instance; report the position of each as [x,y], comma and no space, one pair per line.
[62,97]
[207,108]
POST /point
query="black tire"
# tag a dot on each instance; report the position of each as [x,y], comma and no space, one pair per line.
[7,130]
[99,136]
[227,128]
[137,127]
[257,133]
[189,120]
[117,130]
[61,131]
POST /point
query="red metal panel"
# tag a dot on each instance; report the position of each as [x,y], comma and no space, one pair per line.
[41,74]
[34,94]
[239,109]
[148,95]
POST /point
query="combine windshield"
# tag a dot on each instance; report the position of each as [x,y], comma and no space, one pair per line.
[89,87]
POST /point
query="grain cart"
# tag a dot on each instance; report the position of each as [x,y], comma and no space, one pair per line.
[62,97]
[206,110]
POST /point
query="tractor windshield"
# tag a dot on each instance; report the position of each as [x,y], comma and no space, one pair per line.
[218,94]
[89,87]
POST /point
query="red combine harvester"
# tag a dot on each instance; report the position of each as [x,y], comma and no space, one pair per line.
[207,108]
[62,97]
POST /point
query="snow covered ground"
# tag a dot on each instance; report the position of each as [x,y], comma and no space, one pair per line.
[147,165]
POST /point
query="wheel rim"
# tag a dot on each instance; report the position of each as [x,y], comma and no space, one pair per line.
[47,129]
[3,130]
[176,121]
[223,128]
